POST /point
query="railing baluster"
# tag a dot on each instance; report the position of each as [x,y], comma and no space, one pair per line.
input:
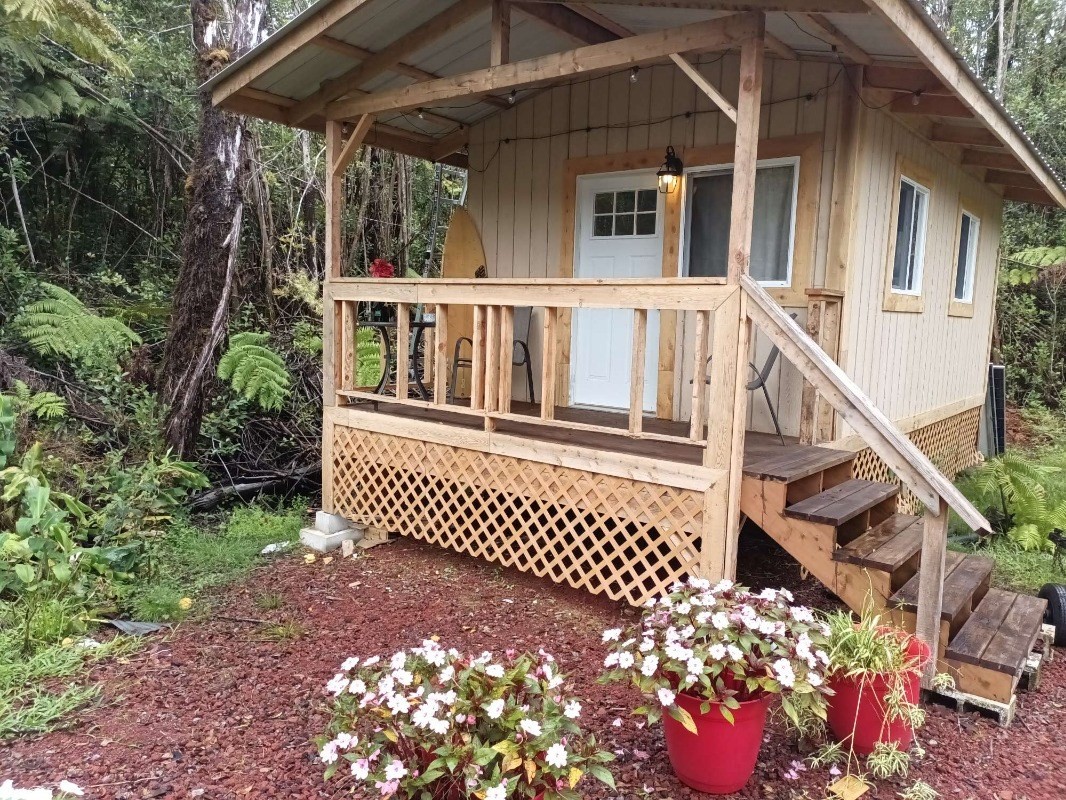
[440,348]
[636,369]
[345,368]
[699,376]
[506,357]
[403,348]
[548,365]
[492,364]
[477,360]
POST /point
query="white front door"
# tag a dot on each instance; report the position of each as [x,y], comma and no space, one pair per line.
[619,235]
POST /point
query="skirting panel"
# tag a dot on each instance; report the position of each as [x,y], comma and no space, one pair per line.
[624,538]
[950,443]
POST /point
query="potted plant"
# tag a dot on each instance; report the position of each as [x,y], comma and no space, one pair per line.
[875,672]
[379,311]
[432,724]
[712,659]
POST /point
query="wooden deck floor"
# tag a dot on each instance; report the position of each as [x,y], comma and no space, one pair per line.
[757,446]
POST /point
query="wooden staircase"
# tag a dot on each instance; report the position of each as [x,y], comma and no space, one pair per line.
[847,533]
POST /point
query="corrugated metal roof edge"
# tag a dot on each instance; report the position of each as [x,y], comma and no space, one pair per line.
[915,5]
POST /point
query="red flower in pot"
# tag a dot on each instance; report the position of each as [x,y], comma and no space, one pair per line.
[380,268]
[711,660]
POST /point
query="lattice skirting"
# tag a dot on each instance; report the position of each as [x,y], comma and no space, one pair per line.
[624,538]
[950,443]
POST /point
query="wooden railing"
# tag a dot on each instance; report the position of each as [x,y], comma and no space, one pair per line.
[902,456]
[493,303]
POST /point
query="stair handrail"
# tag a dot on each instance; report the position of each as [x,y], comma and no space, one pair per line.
[901,455]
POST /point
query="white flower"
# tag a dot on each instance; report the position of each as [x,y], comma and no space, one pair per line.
[556,756]
[646,645]
[723,585]
[720,621]
[497,792]
[398,704]
[71,788]
[767,594]
[9,792]
[735,652]
[694,666]
[716,651]
[683,608]
[617,723]
[666,697]
[446,674]
[371,661]
[395,770]
[611,660]
[814,679]
[785,593]
[439,726]
[703,617]
[361,769]
[495,709]
[802,614]
[328,753]
[767,628]
[386,685]
[345,740]
[649,665]
[785,675]
[350,664]
[398,660]
[435,657]
[337,684]
[821,656]
[403,677]
[687,632]
[572,710]
[357,687]
[612,634]
[494,671]
[625,660]
[699,584]
[530,726]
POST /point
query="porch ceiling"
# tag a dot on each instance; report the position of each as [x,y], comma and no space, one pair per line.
[375,46]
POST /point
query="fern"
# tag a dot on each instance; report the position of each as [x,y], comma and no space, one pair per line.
[59,325]
[42,405]
[255,371]
[1013,492]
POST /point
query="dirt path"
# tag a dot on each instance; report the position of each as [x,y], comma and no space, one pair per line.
[221,710]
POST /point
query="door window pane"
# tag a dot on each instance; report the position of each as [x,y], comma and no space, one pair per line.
[711,199]
[629,212]
[910,237]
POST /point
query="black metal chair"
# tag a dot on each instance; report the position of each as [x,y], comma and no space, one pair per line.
[523,321]
[762,374]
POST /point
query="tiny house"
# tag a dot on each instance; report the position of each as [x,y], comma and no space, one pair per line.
[718,262]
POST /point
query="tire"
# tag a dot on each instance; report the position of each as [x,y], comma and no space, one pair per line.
[1055,594]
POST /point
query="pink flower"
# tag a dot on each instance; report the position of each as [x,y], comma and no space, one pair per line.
[387,788]
[834,770]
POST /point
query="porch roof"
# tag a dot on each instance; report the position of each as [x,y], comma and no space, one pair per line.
[340,58]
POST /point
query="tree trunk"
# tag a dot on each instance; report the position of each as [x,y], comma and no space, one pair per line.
[200,308]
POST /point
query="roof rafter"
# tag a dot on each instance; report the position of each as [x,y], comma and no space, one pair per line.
[835,37]
[386,59]
[931,105]
[713,34]
[988,158]
[825,6]
[562,18]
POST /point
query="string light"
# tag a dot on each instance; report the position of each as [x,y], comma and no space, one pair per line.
[512,96]
[633,74]
[421,114]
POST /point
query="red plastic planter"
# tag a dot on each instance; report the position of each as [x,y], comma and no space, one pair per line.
[857,713]
[721,757]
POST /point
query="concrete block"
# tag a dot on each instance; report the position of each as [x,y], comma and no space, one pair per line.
[331,523]
[327,542]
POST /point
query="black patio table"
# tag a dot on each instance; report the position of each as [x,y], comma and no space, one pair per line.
[417,330]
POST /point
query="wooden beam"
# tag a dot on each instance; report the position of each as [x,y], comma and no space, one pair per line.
[384,60]
[355,140]
[824,6]
[706,35]
[931,105]
[961,134]
[915,27]
[571,23]
[705,86]
[500,44]
[779,48]
[989,158]
[904,79]
[605,22]
[259,61]
[450,143]
[1036,196]
[931,584]
[746,155]
[828,31]
[1020,180]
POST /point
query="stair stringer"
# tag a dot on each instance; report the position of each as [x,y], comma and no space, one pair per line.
[812,545]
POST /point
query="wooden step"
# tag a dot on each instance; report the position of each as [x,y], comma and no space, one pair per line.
[966,580]
[1000,633]
[843,502]
[796,463]
[887,546]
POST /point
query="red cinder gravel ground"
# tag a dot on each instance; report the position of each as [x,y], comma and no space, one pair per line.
[219,709]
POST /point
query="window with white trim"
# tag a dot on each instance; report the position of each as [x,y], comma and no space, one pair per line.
[966,264]
[709,198]
[911,223]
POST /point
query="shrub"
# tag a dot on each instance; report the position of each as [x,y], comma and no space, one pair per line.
[725,645]
[430,723]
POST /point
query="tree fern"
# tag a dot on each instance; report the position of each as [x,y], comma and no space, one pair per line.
[1013,492]
[255,371]
[59,325]
[43,405]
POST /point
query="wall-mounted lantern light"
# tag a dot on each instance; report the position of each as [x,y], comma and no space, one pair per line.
[670,172]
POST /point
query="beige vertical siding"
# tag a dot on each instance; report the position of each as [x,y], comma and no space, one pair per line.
[915,363]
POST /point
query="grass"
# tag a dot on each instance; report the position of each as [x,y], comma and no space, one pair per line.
[41,691]
[193,559]
[1017,569]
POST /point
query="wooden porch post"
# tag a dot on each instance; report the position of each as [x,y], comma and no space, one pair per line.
[330,322]
[931,584]
[727,406]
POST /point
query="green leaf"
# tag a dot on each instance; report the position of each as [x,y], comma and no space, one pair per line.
[682,716]
[24,573]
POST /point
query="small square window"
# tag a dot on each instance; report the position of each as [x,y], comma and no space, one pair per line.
[603,225]
[646,224]
[604,203]
[625,201]
[647,200]
[911,221]
[966,263]
[623,225]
